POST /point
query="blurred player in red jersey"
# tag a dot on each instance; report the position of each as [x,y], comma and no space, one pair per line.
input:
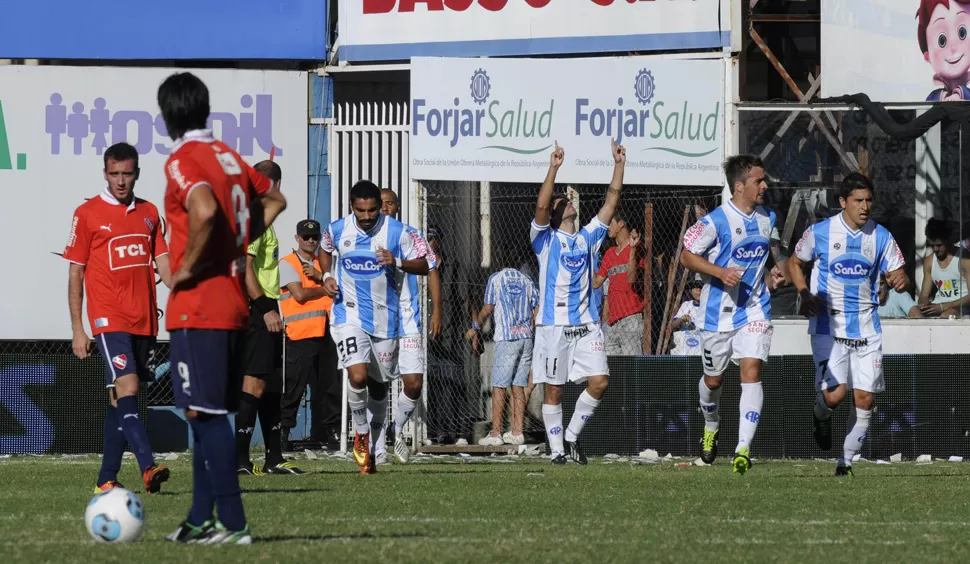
[115,237]
[215,204]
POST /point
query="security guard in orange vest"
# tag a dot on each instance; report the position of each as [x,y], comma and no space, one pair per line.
[311,356]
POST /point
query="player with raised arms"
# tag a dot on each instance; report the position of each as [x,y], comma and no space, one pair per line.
[215,204]
[569,341]
[848,253]
[372,251]
[729,247]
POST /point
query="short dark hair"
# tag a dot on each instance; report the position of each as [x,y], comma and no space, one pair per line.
[938,229]
[855,181]
[120,152]
[364,190]
[391,192]
[184,101]
[270,170]
[556,211]
[736,168]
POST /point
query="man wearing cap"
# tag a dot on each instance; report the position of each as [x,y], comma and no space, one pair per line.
[311,356]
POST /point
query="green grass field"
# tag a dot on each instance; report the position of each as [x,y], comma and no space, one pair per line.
[504,510]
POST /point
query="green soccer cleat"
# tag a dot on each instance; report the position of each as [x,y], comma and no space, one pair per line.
[188,533]
[219,534]
[742,461]
[843,470]
[709,445]
[285,467]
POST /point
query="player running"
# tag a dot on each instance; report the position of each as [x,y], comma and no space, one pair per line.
[569,342]
[849,251]
[411,358]
[729,248]
[115,237]
[215,204]
[371,249]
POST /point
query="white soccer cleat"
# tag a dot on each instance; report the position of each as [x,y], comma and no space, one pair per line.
[510,439]
[381,457]
[401,450]
[491,440]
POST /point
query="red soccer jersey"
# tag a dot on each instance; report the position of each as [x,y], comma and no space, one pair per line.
[217,299]
[624,301]
[117,245]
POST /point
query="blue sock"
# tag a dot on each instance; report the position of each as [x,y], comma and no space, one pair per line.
[135,431]
[114,447]
[220,455]
[202,498]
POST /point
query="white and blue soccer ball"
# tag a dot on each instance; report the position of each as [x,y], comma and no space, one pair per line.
[115,516]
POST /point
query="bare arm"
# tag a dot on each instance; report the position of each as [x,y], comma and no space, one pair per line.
[434,287]
[75,300]
[632,270]
[326,263]
[252,283]
[303,295]
[545,193]
[606,212]
[598,281]
[926,288]
[697,263]
[164,269]
[479,319]
[268,207]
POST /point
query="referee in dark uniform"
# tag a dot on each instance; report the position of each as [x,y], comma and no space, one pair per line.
[263,351]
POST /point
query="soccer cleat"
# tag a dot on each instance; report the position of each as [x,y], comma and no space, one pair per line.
[560,459]
[709,445]
[110,484]
[154,476]
[380,458]
[188,533]
[285,467]
[370,467]
[843,470]
[577,456]
[742,461]
[249,469]
[822,430]
[219,534]
[401,450]
[361,449]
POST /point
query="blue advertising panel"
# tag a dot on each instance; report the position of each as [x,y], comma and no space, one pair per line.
[175,29]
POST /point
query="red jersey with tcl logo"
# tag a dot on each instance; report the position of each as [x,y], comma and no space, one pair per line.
[216,298]
[117,245]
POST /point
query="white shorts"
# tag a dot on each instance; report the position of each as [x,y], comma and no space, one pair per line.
[410,360]
[355,346]
[857,363]
[568,352]
[750,341]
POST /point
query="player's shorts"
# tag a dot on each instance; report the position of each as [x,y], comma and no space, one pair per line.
[857,363]
[720,347]
[568,352]
[206,369]
[263,350]
[511,363]
[410,360]
[356,346]
[125,354]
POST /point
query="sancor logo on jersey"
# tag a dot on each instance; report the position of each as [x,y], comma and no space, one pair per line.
[129,251]
[851,269]
[751,251]
[514,287]
[361,265]
[574,261]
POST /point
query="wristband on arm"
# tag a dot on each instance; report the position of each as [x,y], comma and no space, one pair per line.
[264,305]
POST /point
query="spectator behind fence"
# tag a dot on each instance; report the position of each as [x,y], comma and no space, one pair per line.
[686,337]
[513,297]
[621,265]
[943,273]
[895,304]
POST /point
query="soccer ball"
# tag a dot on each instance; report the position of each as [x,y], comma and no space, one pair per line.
[115,516]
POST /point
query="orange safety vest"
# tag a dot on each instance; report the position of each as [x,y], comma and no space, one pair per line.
[309,320]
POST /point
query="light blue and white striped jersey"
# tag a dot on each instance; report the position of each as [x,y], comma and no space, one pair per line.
[369,295]
[729,238]
[408,283]
[566,267]
[847,265]
[513,295]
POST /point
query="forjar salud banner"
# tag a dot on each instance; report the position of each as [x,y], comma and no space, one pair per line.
[56,122]
[896,51]
[388,30]
[498,119]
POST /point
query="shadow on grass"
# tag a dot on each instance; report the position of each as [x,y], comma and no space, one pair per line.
[324,538]
[288,490]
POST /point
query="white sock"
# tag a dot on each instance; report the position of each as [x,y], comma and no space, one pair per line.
[822,410]
[752,398]
[377,414]
[552,417]
[405,407]
[709,399]
[357,401]
[859,422]
[585,406]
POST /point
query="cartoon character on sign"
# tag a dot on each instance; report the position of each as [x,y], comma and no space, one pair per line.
[942,33]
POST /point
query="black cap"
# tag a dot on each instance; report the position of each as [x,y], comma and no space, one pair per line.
[308,227]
